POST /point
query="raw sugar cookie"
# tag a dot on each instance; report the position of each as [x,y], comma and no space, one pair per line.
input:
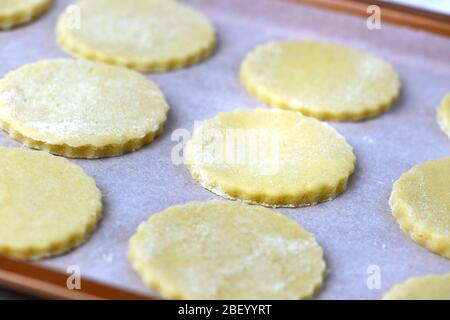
[444,115]
[226,250]
[47,205]
[81,109]
[271,157]
[18,12]
[420,201]
[432,287]
[147,35]
[323,80]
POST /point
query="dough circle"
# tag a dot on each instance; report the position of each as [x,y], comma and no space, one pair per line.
[432,287]
[444,115]
[47,205]
[279,158]
[81,109]
[18,12]
[146,35]
[420,201]
[226,250]
[323,80]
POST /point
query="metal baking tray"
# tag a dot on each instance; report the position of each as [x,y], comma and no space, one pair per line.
[356,230]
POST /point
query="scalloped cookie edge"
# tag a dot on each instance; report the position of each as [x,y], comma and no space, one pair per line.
[24,16]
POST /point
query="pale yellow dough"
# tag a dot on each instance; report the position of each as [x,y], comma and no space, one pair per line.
[147,35]
[81,109]
[420,201]
[327,81]
[432,287]
[444,115]
[272,157]
[226,250]
[47,205]
[18,12]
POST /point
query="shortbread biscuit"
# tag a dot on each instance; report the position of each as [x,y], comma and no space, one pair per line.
[323,80]
[81,109]
[444,115]
[146,35]
[17,12]
[432,287]
[271,157]
[47,205]
[420,201]
[226,250]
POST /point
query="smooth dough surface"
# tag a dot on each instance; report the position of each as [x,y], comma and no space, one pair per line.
[226,250]
[147,35]
[47,204]
[17,12]
[420,201]
[432,287]
[327,81]
[80,108]
[271,157]
[444,115]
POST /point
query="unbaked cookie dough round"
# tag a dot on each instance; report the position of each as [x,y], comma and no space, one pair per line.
[47,205]
[420,201]
[444,115]
[226,250]
[271,157]
[18,12]
[432,287]
[81,109]
[323,80]
[147,35]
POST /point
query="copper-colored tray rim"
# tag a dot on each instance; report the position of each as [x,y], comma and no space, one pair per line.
[399,14]
[35,280]
[38,281]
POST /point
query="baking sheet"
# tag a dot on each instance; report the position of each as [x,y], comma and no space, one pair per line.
[356,230]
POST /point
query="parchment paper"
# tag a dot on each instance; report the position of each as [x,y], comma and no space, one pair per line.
[356,230]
